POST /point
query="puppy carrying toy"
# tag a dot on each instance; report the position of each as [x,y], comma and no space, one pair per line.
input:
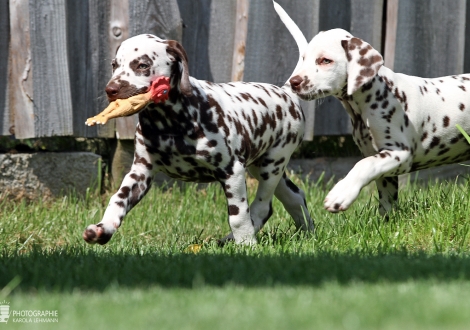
[205,132]
[158,92]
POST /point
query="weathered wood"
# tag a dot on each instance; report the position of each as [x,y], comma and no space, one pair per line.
[196,24]
[271,52]
[21,76]
[77,42]
[161,18]
[391,33]
[88,61]
[118,32]
[239,40]
[52,97]
[467,39]
[208,37]
[430,37]
[99,66]
[5,122]
[221,39]
[366,21]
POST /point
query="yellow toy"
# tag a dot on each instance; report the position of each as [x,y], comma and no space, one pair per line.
[158,92]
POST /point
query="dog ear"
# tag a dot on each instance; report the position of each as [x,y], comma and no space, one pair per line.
[363,62]
[177,51]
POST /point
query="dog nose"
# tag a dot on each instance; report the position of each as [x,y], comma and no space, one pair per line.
[112,90]
[295,82]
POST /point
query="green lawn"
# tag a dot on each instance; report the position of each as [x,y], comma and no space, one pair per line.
[356,272]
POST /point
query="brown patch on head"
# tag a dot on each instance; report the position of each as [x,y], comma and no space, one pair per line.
[141,66]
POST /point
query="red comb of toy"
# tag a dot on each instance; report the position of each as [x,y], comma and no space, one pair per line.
[160,89]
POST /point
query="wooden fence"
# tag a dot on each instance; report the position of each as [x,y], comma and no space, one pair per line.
[55,54]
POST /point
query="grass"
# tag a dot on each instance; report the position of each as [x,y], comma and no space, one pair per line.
[356,272]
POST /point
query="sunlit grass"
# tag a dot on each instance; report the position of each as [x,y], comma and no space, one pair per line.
[356,272]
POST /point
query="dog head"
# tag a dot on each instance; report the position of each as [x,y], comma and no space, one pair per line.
[140,60]
[332,60]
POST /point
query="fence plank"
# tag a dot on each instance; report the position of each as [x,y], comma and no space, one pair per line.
[161,17]
[5,122]
[89,63]
[221,37]
[77,34]
[271,52]
[196,15]
[467,39]
[52,96]
[391,33]
[430,37]
[99,66]
[21,75]
[366,21]
[118,31]
[239,40]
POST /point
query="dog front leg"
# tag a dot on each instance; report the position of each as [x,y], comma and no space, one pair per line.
[134,186]
[384,164]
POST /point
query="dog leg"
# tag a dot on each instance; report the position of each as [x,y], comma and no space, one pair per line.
[293,199]
[134,186]
[243,231]
[385,163]
[388,193]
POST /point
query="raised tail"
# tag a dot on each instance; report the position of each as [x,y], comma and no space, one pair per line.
[294,31]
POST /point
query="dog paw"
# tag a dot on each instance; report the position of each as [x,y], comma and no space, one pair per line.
[341,197]
[227,239]
[96,234]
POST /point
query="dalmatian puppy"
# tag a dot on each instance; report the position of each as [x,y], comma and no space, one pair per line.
[206,132]
[400,123]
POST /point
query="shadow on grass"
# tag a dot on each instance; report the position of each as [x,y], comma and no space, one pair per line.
[88,270]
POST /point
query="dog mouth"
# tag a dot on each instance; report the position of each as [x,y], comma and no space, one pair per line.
[126,92]
[308,96]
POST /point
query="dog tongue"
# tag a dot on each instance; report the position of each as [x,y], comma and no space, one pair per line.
[160,89]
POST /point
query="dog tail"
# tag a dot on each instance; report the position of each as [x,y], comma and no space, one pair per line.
[294,31]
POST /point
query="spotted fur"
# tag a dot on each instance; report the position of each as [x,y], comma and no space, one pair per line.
[400,123]
[206,132]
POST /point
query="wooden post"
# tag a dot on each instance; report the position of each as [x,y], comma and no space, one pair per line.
[430,37]
[5,118]
[366,21]
[241,29]
[118,32]
[21,74]
[52,96]
[391,33]
[98,65]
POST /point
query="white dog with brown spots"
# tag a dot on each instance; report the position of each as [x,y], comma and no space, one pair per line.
[400,123]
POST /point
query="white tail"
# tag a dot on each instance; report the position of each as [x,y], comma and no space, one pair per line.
[294,31]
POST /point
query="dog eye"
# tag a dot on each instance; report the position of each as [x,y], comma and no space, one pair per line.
[325,61]
[114,65]
[143,66]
